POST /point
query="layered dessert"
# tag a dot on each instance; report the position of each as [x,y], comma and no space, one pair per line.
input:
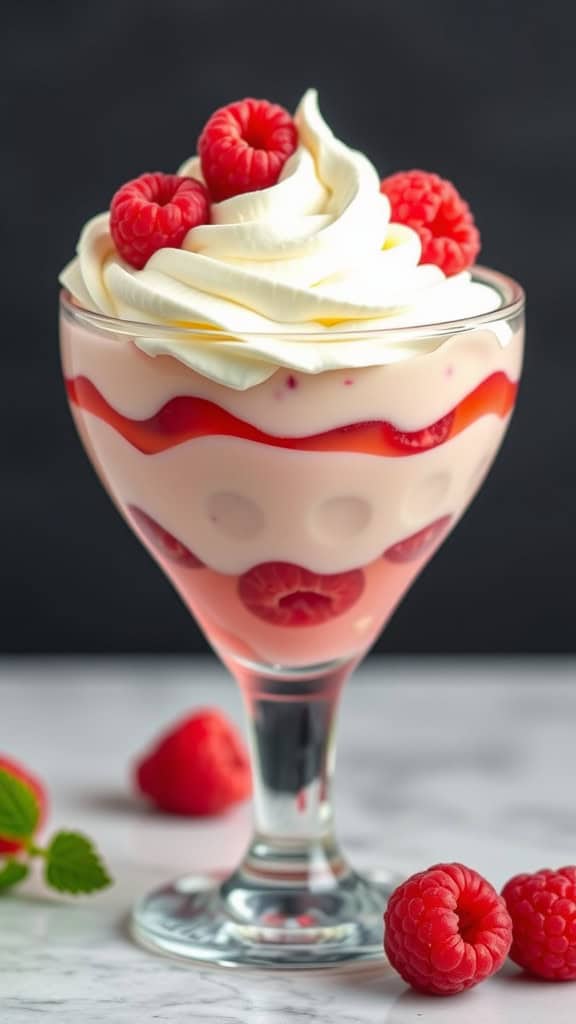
[289,378]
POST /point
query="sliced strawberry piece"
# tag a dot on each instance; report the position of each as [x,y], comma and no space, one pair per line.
[288,595]
[166,544]
[416,546]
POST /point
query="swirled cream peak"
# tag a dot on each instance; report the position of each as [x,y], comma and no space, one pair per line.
[280,273]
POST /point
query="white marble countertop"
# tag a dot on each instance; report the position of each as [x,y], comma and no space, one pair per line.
[468,760]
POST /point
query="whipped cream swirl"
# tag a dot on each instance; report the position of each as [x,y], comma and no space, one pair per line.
[280,273]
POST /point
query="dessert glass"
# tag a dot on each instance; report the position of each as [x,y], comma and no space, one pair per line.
[291,518]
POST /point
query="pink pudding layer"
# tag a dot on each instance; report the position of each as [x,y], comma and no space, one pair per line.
[293,516]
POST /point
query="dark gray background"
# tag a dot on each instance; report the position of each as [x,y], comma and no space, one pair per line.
[96,93]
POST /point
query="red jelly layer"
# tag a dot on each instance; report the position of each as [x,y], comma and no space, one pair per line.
[185,417]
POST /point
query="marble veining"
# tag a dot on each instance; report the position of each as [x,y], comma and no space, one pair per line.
[469,760]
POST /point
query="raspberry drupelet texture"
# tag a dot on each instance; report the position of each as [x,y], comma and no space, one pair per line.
[199,768]
[155,211]
[244,146]
[288,595]
[434,208]
[543,911]
[446,929]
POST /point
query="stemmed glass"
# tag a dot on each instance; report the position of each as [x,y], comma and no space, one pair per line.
[291,518]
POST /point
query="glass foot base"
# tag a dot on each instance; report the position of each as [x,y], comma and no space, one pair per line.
[198,919]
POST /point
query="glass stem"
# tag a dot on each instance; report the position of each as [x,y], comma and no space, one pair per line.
[292,725]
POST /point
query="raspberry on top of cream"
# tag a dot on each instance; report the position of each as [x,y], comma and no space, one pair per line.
[302,251]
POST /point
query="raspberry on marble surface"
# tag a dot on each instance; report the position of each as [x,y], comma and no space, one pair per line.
[543,911]
[200,767]
[446,929]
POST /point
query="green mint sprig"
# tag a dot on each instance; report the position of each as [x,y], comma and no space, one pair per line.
[71,861]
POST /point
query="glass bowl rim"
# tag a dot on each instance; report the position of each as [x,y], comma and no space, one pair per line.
[511,293]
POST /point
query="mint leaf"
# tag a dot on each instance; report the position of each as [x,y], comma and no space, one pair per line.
[12,873]
[19,807]
[73,864]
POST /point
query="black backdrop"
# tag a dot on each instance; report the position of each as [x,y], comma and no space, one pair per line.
[95,93]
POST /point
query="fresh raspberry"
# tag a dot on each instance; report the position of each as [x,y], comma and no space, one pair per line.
[446,929]
[543,911]
[8,846]
[415,546]
[166,544]
[287,595]
[437,212]
[244,146]
[155,211]
[198,768]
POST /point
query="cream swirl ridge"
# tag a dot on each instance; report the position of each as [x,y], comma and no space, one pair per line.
[279,273]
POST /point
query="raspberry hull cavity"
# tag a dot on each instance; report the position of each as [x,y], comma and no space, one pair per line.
[244,147]
[287,595]
[153,212]
[446,930]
